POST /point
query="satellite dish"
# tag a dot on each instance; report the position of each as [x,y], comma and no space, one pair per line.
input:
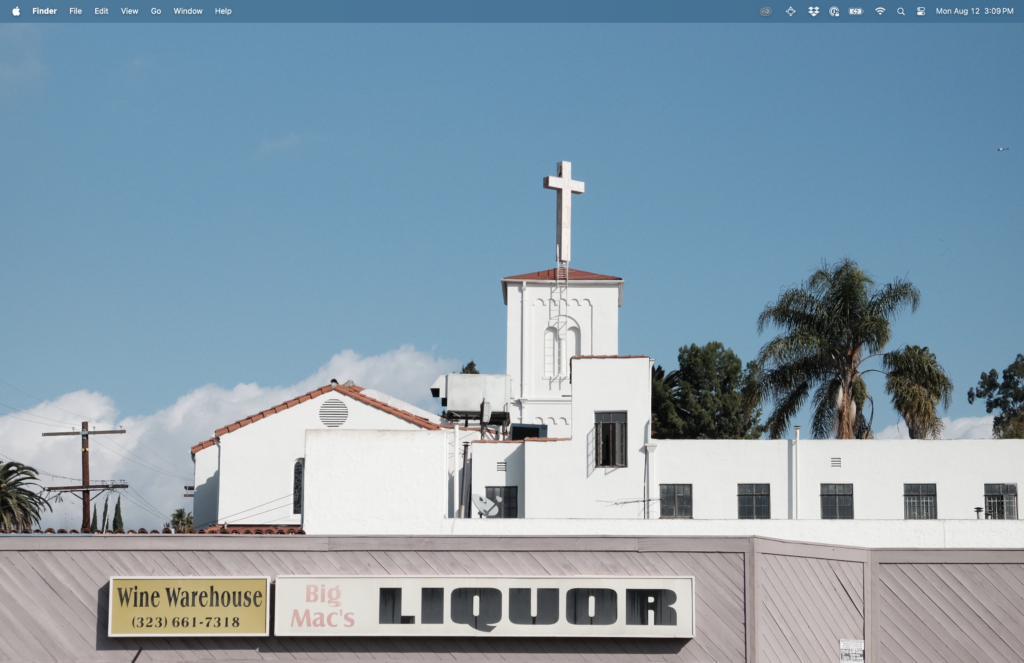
[486,507]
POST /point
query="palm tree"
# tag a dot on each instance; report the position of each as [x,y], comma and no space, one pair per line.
[180,521]
[20,507]
[831,325]
[918,384]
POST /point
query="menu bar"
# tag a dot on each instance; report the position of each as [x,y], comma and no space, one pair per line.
[517,11]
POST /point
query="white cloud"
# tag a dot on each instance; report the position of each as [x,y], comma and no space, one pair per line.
[161,441]
[964,428]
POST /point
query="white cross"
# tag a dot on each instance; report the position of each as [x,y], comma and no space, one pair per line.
[563,184]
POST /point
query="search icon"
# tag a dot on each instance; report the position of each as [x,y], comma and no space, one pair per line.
[901,12]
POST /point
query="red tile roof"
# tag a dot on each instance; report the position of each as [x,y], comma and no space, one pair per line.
[549,275]
[353,392]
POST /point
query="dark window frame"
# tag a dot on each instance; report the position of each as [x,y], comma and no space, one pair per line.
[298,472]
[1001,501]
[836,501]
[754,501]
[508,507]
[920,501]
[611,439]
[680,500]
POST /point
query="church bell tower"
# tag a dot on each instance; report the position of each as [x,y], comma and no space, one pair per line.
[554,315]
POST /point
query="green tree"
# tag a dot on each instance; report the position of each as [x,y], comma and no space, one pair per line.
[20,506]
[1006,396]
[917,385]
[665,421]
[95,524]
[180,521]
[118,521]
[470,368]
[106,521]
[831,324]
[708,397]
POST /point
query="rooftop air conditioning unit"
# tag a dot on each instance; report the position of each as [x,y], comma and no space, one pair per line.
[463,394]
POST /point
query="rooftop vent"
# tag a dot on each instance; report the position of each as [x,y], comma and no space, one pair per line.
[501,466]
[333,413]
[837,462]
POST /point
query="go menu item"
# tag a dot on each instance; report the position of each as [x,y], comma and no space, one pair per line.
[193,606]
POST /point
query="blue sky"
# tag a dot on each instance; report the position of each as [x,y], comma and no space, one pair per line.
[185,206]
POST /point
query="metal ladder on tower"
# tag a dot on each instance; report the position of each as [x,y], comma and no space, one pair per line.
[562,321]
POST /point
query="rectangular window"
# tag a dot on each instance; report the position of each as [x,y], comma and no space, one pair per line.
[755,501]
[919,501]
[837,501]
[1001,501]
[676,500]
[610,431]
[507,499]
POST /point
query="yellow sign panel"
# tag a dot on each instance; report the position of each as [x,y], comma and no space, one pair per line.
[193,606]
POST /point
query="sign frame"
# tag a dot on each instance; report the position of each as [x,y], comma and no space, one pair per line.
[384,581]
[266,625]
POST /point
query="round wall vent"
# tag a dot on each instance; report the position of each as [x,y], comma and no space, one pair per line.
[333,413]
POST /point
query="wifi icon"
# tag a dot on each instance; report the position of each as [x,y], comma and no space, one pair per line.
[880,10]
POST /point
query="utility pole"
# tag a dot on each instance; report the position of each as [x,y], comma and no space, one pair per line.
[86,487]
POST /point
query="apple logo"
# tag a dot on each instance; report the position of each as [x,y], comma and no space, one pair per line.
[16,11]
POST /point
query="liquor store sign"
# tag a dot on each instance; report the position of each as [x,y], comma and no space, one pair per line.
[189,606]
[568,606]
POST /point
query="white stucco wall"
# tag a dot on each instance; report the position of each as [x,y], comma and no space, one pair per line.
[867,533]
[876,468]
[485,458]
[562,480]
[375,481]
[207,484]
[592,307]
[257,461]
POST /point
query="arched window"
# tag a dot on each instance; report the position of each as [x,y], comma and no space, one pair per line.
[550,361]
[297,486]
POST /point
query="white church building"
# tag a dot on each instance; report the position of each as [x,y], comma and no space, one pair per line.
[569,450]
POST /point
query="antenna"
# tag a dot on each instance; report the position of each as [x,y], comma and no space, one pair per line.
[486,507]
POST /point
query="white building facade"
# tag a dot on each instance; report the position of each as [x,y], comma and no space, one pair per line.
[553,317]
[345,460]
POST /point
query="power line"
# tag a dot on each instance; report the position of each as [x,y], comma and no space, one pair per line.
[128,451]
[257,514]
[65,423]
[139,495]
[37,423]
[39,416]
[150,510]
[143,464]
[166,460]
[258,506]
[51,474]
[41,400]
